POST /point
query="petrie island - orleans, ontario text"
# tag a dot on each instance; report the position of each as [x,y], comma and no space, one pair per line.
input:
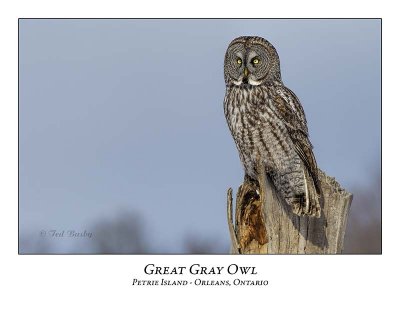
[195,270]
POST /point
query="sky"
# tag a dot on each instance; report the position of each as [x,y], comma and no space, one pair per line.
[126,116]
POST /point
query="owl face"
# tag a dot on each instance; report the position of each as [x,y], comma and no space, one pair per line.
[250,61]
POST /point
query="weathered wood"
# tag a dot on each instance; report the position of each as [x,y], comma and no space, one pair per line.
[264,223]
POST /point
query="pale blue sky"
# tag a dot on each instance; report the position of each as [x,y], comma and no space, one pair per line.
[120,115]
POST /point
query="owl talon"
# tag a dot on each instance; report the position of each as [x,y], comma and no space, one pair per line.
[302,210]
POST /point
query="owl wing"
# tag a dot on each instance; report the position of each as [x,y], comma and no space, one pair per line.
[291,112]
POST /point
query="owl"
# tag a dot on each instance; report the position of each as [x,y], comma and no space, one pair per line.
[268,124]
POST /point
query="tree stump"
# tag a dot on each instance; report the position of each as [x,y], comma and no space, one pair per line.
[265,224]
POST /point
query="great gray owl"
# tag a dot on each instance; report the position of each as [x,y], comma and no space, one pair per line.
[268,124]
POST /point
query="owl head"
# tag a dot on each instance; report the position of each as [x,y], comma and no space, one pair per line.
[251,60]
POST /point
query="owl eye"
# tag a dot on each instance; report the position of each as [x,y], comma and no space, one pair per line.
[255,61]
[239,61]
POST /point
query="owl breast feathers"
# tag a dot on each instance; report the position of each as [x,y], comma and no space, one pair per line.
[268,124]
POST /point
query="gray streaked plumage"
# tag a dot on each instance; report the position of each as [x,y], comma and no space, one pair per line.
[268,123]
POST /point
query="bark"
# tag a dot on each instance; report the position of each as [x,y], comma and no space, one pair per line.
[265,224]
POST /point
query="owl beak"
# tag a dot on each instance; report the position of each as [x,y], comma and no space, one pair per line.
[245,79]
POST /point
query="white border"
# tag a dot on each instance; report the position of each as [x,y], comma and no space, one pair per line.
[78,281]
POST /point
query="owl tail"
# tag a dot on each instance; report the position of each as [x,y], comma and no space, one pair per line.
[308,203]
